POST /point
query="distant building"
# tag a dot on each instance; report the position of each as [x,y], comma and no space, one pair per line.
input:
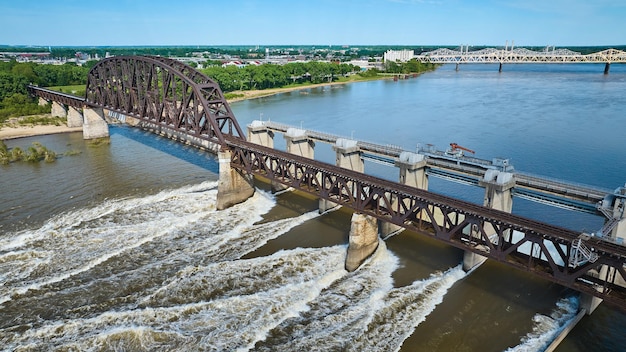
[366,64]
[398,55]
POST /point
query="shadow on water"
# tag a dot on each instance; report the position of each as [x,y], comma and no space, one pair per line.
[190,154]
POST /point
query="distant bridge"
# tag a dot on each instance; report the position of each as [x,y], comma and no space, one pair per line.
[521,56]
[170,98]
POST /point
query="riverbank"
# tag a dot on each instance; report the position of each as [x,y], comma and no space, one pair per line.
[13,129]
[240,95]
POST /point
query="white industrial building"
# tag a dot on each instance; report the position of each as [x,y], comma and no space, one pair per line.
[398,55]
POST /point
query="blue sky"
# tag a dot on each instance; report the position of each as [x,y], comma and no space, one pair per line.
[313,22]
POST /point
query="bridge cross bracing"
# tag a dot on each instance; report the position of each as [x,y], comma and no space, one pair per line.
[519,56]
[447,219]
[160,92]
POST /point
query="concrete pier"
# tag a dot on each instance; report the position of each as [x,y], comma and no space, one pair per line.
[299,143]
[363,240]
[74,117]
[618,234]
[498,196]
[233,187]
[258,133]
[42,102]
[607,67]
[412,168]
[58,110]
[94,125]
[364,228]
[348,157]
[619,208]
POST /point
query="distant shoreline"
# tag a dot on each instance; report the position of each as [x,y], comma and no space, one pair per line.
[253,94]
[11,131]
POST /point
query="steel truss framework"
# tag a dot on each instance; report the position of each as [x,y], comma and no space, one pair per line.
[491,233]
[50,95]
[165,92]
[520,55]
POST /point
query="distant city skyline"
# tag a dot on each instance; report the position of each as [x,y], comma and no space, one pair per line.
[313,22]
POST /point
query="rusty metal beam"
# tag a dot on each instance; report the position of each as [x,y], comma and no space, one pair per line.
[459,223]
[164,92]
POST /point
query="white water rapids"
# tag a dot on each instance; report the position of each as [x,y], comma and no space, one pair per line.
[164,272]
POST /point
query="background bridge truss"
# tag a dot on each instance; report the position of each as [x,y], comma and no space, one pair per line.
[520,55]
[165,92]
[542,249]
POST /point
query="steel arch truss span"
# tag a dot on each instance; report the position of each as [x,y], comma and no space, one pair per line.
[164,92]
[543,249]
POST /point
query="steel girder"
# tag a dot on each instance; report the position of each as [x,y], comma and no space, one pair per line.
[50,95]
[164,92]
[544,249]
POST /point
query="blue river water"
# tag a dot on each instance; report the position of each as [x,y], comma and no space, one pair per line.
[120,247]
[558,121]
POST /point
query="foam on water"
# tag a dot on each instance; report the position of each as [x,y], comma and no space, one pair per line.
[77,241]
[546,328]
[231,322]
[164,272]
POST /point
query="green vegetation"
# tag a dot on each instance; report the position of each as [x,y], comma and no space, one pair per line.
[74,89]
[33,154]
[15,76]
[34,120]
[412,66]
[70,78]
[232,78]
[96,142]
[230,96]
[251,77]
[20,104]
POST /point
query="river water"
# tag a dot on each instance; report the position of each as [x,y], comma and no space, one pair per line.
[121,248]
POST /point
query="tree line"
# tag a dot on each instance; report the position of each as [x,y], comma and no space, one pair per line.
[231,78]
[15,76]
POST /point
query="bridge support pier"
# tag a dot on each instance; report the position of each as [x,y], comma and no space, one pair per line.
[74,117]
[500,68]
[363,240]
[258,133]
[42,102]
[607,67]
[233,187]
[618,233]
[412,168]
[94,125]
[297,143]
[498,196]
[348,156]
[58,110]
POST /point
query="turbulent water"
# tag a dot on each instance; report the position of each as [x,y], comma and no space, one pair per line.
[164,272]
